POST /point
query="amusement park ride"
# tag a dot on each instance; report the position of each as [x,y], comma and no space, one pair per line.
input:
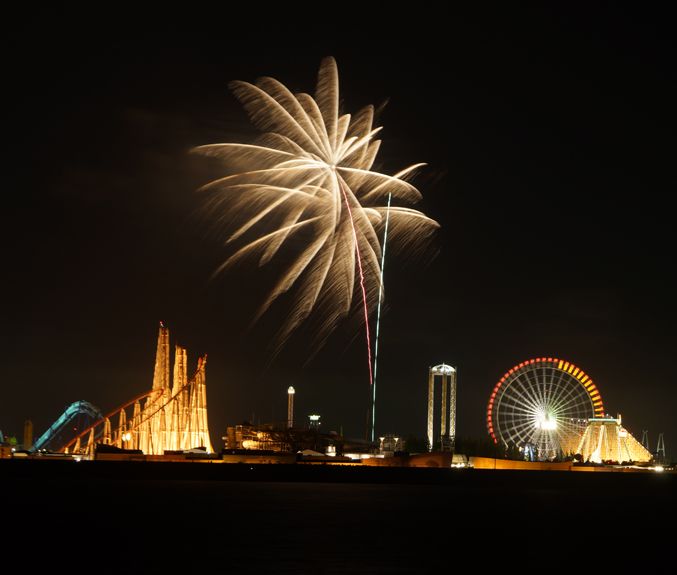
[547,408]
[163,419]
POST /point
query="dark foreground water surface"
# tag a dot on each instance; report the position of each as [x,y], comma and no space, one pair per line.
[93,517]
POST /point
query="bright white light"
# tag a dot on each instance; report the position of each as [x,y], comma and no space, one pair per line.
[443,368]
[546,422]
[291,390]
[659,468]
[126,436]
[314,417]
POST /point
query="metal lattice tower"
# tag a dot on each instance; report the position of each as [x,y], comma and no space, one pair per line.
[660,448]
[447,418]
[645,439]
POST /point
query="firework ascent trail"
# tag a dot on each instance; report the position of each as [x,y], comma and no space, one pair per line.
[378,320]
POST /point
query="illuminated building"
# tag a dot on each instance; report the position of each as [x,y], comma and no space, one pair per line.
[606,440]
[257,438]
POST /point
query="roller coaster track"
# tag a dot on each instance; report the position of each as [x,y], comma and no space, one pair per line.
[65,420]
[103,419]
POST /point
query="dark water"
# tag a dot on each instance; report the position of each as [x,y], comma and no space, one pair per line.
[125,521]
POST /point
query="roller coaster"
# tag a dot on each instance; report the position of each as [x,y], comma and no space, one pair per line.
[164,418]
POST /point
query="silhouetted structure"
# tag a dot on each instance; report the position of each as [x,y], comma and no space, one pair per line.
[28,434]
[660,448]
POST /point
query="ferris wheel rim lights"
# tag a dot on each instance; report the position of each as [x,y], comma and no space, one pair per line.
[555,363]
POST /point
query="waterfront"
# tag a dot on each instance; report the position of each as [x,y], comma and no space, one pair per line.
[147,518]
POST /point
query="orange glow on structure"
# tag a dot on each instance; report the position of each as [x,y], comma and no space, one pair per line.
[173,415]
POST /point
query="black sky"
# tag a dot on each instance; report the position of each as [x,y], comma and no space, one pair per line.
[549,136]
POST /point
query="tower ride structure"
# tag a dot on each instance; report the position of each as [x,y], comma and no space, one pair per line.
[447,432]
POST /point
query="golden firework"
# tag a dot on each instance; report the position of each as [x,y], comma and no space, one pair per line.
[311,175]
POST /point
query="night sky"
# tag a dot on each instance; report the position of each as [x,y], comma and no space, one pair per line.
[549,138]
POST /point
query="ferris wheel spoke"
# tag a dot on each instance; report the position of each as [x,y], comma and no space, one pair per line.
[581,401]
[514,432]
[526,412]
[529,387]
[526,428]
[560,402]
[546,444]
[558,384]
[541,385]
[549,443]
[567,394]
[547,379]
[576,407]
[512,395]
[527,395]
[553,445]
[535,387]
[557,381]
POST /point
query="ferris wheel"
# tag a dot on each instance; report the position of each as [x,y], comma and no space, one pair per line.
[542,406]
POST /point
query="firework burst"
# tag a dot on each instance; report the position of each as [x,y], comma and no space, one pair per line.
[311,176]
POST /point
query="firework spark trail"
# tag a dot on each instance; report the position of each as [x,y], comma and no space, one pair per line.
[378,319]
[364,291]
[280,196]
